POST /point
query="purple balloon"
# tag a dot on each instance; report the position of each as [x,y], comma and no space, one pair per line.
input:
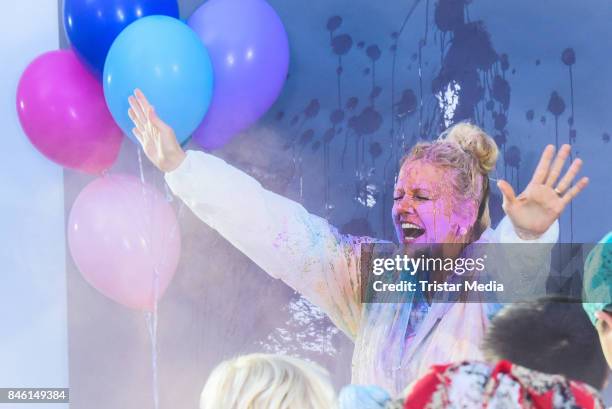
[249,49]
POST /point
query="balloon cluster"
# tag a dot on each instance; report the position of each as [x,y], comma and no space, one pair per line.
[209,78]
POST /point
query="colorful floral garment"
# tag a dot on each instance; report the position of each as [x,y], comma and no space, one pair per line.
[505,386]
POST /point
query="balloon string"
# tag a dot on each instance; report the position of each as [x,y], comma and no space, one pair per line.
[148,204]
[140,168]
[151,320]
[150,317]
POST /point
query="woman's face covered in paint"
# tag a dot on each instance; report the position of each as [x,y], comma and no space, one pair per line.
[426,207]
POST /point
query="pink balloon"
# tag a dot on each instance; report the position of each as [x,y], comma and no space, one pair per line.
[62,110]
[123,234]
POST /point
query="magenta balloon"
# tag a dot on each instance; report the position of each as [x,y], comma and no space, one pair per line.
[120,233]
[249,49]
[62,110]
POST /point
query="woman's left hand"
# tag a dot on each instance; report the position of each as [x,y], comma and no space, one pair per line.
[542,202]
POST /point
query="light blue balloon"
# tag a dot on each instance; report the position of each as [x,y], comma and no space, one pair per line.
[165,59]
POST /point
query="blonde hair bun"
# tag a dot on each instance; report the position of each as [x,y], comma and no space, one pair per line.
[475,141]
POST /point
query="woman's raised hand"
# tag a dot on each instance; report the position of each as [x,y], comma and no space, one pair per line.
[543,200]
[156,137]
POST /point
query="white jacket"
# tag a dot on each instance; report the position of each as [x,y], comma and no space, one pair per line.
[310,256]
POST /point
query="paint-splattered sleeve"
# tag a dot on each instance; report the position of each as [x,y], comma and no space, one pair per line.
[523,265]
[278,234]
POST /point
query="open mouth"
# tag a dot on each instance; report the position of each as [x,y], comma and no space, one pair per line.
[411,231]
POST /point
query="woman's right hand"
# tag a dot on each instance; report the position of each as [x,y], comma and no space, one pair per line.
[156,137]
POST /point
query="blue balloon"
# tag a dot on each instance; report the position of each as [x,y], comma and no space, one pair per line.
[165,59]
[93,25]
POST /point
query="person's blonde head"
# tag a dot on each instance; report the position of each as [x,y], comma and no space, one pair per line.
[468,154]
[263,381]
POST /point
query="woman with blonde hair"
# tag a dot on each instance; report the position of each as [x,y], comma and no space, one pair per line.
[441,196]
[264,381]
